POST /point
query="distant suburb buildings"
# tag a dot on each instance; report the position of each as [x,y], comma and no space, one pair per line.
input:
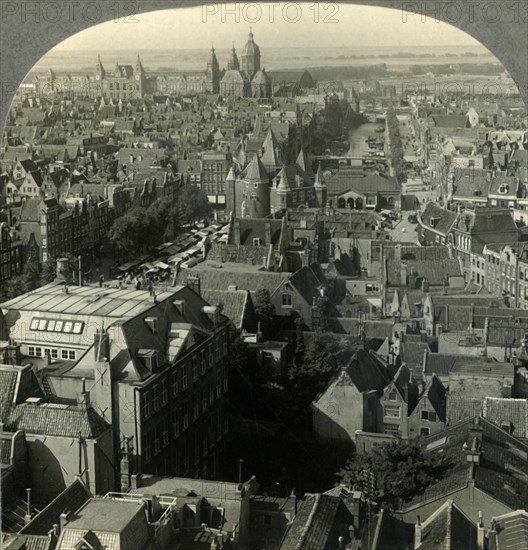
[244,78]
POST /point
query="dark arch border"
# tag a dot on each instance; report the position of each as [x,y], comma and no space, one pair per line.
[23,43]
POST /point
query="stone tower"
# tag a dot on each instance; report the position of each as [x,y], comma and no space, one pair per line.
[140,78]
[213,74]
[251,56]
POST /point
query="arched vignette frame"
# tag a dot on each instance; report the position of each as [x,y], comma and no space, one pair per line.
[34,27]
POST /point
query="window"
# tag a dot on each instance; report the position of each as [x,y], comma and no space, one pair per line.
[218,387]
[64,354]
[157,439]
[194,368]
[392,411]
[211,356]
[31,350]
[174,384]
[71,355]
[156,398]
[164,392]
[183,373]
[195,405]
[147,446]
[176,422]
[430,416]
[425,431]
[54,353]
[391,429]
[392,395]
[204,399]
[256,242]
[203,360]
[185,415]
[145,404]
[211,391]
[165,432]
[287,300]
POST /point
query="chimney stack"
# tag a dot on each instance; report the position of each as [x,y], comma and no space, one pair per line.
[480,532]
[29,510]
[64,517]
[418,533]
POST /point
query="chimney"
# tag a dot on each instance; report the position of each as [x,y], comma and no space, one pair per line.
[213,312]
[135,481]
[125,465]
[193,281]
[83,398]
[424,362]
[418,533]
[480,532]
[403,274]
[267,226]
[294,496]
[64,272]
[64,517]
[29,510]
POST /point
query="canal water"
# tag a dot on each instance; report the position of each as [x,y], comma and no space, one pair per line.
[357,139]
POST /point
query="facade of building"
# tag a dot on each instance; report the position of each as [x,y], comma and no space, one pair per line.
[157,371]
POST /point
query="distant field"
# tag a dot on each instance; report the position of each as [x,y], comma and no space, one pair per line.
[293,58]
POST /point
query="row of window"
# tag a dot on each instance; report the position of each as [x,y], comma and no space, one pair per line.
[153,399]
[54,353]
[56,325]
[158,438]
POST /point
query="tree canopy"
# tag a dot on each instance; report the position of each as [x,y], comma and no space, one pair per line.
[391,472]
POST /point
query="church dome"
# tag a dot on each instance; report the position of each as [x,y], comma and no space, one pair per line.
[235,77]
[251,48]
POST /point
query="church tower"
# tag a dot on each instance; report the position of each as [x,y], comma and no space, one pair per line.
[140,78]
[100,75]
[251,56]
[213,74]
[233,64]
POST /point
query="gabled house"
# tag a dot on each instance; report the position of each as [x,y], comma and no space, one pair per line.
[351,400]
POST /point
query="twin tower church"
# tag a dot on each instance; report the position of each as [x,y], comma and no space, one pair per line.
[242,77]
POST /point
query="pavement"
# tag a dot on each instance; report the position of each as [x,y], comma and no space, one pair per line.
[404,231]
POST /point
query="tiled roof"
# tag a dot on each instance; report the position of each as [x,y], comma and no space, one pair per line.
[367,372]
[411,353]
[56,420]
[70,538]
[315,523]
[445,218]
[435,271]
[8,381]
[503,411]
[232,302]
[502,456]
[460,408]
[442,364]
[71,499]
[221,279]
[446,528]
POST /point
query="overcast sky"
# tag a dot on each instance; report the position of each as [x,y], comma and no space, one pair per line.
[197,27]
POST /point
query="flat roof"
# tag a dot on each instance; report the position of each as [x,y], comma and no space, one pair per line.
[108,515]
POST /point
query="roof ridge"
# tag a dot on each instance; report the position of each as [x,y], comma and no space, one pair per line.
[308,523]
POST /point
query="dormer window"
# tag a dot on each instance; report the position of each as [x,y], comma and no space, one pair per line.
[392,396]
[149,357]
[152,322]
[503,189]
[257,242]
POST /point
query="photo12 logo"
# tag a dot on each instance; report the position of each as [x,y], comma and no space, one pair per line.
[271,12]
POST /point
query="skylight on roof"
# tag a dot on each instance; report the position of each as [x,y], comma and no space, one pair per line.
[56,325]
